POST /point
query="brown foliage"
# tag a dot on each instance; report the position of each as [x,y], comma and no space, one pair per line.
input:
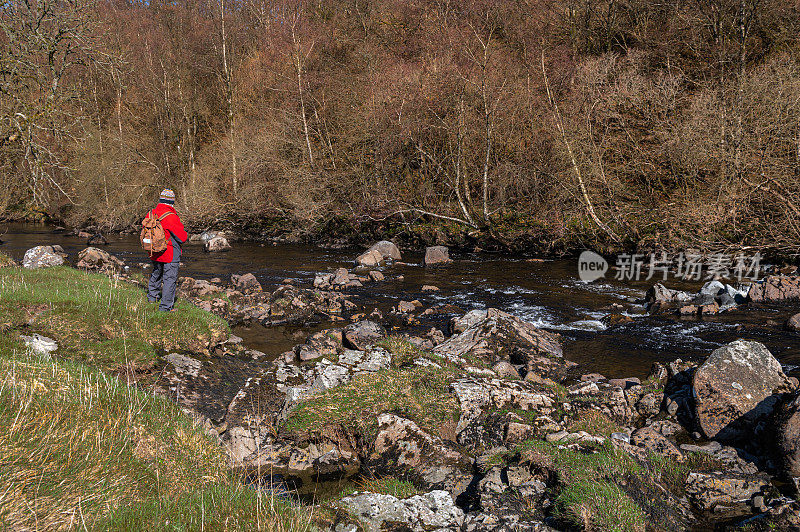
[682,116]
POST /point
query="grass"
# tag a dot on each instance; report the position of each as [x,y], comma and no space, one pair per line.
[81,450]
[673,474]
[402,489]
[594,422]
[421,394]
[590,495]
[404,353]
[99,320]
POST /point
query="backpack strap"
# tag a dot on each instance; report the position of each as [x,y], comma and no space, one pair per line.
[161,218]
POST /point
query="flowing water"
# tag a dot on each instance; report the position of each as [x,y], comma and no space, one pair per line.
[546,293]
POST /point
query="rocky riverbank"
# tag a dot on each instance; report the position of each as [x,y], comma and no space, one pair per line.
[482,421]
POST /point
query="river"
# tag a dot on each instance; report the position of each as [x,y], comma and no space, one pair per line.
[546,293]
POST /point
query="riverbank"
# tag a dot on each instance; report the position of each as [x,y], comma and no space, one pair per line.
[509,235]
[507,434]
[80,448]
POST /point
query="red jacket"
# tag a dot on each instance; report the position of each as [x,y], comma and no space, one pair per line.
[174,228]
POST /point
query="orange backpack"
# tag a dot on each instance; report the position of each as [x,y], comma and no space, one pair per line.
[154,238]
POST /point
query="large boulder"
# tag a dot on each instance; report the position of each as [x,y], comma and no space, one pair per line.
[435,255]
[402,447]
[41,257]
[218,243]
[775,288]
[96,259]
[497,335]
[735,388]
[387,250]
[431,511]
[362,334]
[789,437]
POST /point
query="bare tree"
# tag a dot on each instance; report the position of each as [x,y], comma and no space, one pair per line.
[46,42]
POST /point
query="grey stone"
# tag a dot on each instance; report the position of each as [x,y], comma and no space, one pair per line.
[40,345]
[41,257]
[431,511]
[437,255]
[217,244]
[387,250]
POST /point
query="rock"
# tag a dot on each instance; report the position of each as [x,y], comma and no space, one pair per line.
[340,277]
[592,377]
[711,448]
[505,370]
[362,334]
[92,258]
[404,307]
[323,280]
[649,404]
[726,493]
[470,319]
[475,395]
[431,511]
[614,319]
[789,437]
[41,257]
[497,335]
[430,288]
[40,345]
[402,447]
[793,323]
[375,275]
[656,443]
[659,295]
[736,387]
[246,283]
[518,432]
[217,244]
[775,288]
[207,236]
[436,255]
[625,383]
[369,259]
[387,250]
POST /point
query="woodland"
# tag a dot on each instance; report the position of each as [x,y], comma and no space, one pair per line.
[615,123]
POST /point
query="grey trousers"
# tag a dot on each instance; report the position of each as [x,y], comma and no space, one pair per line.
[162,285]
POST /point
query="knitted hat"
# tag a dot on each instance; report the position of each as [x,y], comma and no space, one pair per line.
[167,196]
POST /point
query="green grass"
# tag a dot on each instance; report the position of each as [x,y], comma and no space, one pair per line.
[673,474]
[600,505]
[404,353]
[402,489]
[589,495]
[594,422]
[421,394]
[99,320]
[81,450]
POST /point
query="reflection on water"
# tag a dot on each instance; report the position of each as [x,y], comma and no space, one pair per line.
[548,294]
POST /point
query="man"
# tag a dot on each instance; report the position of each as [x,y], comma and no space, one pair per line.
[164,279]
